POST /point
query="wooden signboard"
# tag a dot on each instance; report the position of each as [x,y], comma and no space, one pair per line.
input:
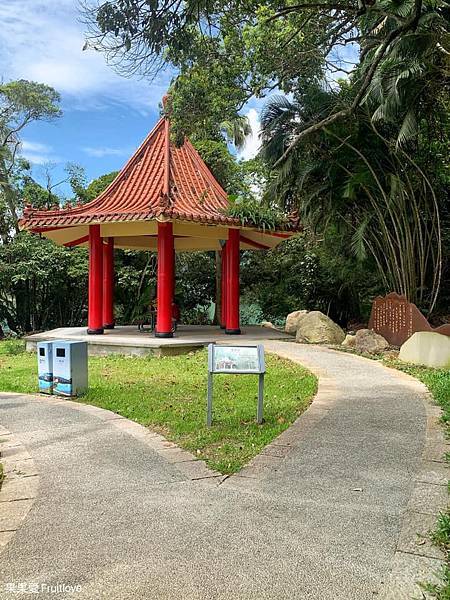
[396,319]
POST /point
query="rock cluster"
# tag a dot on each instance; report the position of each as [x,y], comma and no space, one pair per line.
[313,327]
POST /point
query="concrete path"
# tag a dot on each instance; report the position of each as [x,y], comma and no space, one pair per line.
[317,517]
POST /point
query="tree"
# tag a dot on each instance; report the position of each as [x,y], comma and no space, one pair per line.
[97,186]
[21,103]
[307,272]
[42,285]
[248,48]
[47,196]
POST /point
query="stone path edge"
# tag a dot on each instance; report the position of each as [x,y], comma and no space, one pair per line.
[415,552]
[157,442]
[20,485]
[196,469]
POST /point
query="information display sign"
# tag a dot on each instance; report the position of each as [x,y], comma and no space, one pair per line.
[236,360]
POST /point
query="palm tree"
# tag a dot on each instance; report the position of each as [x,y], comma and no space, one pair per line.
[349,178]
[236,130]
[415,68]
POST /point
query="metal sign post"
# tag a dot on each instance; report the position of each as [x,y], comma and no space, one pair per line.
[210,395]
[236,360]
[259,412]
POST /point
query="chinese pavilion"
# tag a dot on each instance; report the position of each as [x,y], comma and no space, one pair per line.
[164,199]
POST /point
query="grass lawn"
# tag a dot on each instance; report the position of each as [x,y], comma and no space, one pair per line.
[169,396]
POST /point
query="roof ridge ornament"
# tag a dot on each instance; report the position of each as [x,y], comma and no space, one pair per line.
[164,201]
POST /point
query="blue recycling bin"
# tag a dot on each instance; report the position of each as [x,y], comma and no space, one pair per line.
[45,367]
[70,368]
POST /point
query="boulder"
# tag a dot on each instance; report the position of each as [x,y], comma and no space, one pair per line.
[349,341]
[317,328]
[292,321]
[268,324]
[427,348]
[300,339]
[366,340]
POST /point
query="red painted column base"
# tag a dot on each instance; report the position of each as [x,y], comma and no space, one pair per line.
[165,281]
[108,283]
[233,259]
[95,302]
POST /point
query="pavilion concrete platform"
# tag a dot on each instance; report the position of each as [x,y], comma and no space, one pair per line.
[129,341]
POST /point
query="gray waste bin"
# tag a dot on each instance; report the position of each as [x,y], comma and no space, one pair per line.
[45,367]
[70,368]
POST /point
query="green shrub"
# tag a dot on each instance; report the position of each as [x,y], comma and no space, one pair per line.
[12,347]
[251,314]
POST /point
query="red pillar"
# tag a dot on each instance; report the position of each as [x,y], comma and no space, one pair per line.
[223,288]
[165,283]
[108,283]
[95,306]
[232,325]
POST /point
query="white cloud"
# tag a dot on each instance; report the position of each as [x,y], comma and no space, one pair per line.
[42,40]
[253,142]
[38,153]
[106,151]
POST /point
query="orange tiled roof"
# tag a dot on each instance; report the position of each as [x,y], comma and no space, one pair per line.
[159,181]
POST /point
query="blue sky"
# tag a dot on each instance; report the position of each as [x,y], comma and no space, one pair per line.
[105,116]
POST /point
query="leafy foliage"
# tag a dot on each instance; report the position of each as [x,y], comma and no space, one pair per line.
[353,180]
[21,103]
[250,212]
[97,186]
[42,285]
[226,53]
[307,272]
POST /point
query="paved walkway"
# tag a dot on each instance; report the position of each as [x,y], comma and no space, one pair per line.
[320,519]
